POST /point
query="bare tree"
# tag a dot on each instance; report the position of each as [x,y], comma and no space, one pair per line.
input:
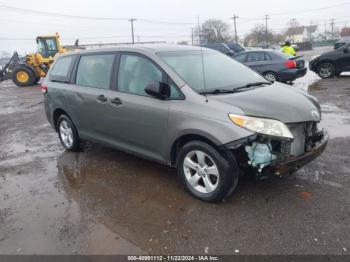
[257,36]
[5,54]
[213,31]
[182,42]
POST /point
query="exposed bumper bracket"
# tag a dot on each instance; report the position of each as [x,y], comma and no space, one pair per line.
[294,163]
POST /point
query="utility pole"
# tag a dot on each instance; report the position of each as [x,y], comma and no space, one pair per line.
[266,18]
[234,22]
[192,35]
[199,31]
[132,29]
[332,27]
[325,30]
[293,23]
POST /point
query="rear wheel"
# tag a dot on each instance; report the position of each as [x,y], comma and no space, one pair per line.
[326,70]
[206,174]
[271,76]
[67,133]
[23,76]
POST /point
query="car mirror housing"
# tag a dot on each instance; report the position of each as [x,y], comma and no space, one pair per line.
[346,50]
[158,89]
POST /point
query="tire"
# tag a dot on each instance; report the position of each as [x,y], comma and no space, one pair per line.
[23,76]
[67,133]
[326,70]
[271,76]
[194,161]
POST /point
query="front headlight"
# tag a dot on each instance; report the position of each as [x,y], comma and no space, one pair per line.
[314,57]
[260,125]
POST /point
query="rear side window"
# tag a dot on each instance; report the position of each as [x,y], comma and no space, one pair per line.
[61,69]
[95,70]
[256,57]
[267,57]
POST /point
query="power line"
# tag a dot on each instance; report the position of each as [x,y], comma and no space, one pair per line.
[247,19]
[311,10]
[45,13]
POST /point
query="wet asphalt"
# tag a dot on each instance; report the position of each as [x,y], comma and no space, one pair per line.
[102,201]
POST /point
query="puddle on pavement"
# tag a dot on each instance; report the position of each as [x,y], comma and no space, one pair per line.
[145,203]
[335,120]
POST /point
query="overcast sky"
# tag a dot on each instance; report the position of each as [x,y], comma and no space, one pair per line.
[180,16]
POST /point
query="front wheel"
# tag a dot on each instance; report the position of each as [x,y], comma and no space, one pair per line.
[23,76]
[326,70]
[206,174]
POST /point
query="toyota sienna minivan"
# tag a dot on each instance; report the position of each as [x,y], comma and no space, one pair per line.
[188,107]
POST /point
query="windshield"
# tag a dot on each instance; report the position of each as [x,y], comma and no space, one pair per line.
[220,71]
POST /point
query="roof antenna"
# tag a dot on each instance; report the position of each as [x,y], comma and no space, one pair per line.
[202,58]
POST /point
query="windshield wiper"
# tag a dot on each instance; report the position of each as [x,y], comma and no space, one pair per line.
[216,91]
[252,84]
[226,91]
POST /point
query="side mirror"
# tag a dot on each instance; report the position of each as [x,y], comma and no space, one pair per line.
[346,49]
[158,89]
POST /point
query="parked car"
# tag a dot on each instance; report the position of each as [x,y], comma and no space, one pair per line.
[342,42]
[153,101]
[332,63]
[236,47]
[273,65]
[221,47]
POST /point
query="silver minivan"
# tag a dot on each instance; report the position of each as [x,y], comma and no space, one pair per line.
[188,107]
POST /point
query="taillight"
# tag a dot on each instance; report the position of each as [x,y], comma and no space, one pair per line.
[290,64]
[43,89]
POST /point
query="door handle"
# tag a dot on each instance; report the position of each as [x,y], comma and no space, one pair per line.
[116,101]
[101,98]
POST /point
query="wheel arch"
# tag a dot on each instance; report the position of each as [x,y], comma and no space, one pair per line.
[185,138]
[56,114]
[327,61]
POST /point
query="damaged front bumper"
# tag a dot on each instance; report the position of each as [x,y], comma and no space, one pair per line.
[293,163]
[282,158]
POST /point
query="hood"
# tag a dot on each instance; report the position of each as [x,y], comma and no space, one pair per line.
[277,101]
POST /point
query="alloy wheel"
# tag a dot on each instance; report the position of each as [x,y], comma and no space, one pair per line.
[270,77]
[66,133]
[201,171]
[326,70]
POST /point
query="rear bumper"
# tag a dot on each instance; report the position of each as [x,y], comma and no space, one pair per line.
[293,163]
[291,74]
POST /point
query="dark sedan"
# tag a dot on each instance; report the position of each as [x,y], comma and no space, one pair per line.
[273,65]
[332,63]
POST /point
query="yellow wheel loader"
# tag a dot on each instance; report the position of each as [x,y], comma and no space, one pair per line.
[28,70]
